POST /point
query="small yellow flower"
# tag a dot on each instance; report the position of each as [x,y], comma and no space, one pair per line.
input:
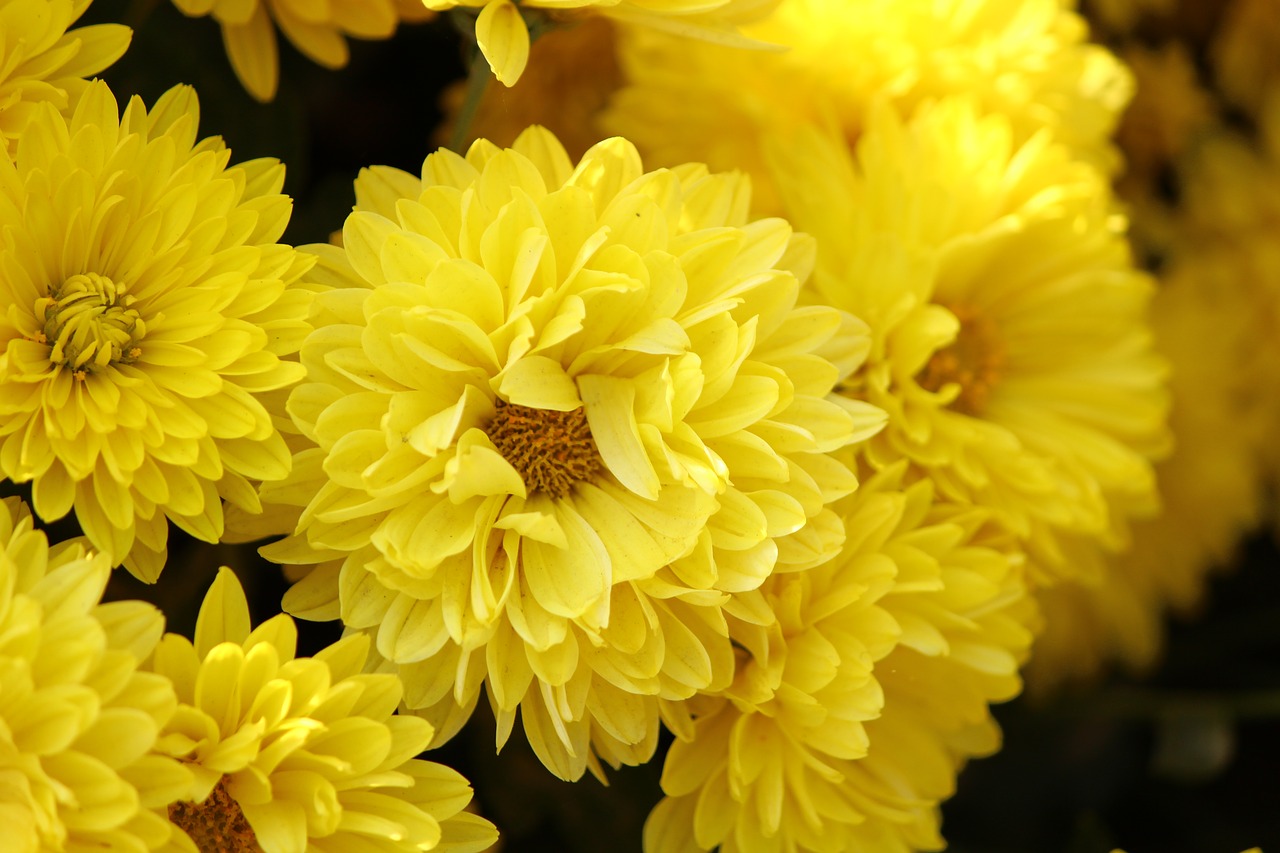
[299,754]
[78,721]
[44,63]
[148,304]
[316,27]
[564,418]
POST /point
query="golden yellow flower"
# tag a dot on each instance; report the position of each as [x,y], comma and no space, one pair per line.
[564,416]
[78,720]
[318,28]
[44,63]
[300,754]
[849,716]
[147,304]
[1011,344]
[1028,60]
[1243,52]
[1171,109]
[503,27]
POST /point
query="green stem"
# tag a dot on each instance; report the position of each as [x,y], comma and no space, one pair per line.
[477,82]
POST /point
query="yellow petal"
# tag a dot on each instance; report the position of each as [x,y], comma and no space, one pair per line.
[504,40]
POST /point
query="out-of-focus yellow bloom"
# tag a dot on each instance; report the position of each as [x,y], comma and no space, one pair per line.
[44,63]
[565,417]
[849,715]
[502,32]
[1011,344]
[1210,487]
[299,754]
[78,720]
[148,303]
[1121,16]
[1243,53]
[318,28]
[1026,60]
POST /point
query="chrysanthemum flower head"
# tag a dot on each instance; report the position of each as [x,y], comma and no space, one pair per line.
[563,415]
[849,716]
[299,754]
[1028,60]
[503,33]
[318,28]
[1207,326]
[1011,343]
[44,63]
[147,303]
[78,720]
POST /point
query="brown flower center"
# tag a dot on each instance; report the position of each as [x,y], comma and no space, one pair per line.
[216,825]
[550,450]
[89,323]
[974,361]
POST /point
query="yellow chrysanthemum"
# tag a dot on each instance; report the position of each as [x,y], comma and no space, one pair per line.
[77,719]
[849,716]
[318,28]
[562,414]
[1229,214]
[1011,346]
[44,63]
[503,33]
[1028,60]
[299,754]
[1171,109]
[1210,487]
[147,303]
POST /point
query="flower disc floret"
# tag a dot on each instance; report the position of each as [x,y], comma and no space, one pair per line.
[564,416]
[148,307]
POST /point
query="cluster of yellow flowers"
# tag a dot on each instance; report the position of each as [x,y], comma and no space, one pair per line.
[785,420]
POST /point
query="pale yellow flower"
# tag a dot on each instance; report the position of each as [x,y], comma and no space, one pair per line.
[78,720]
[299,754]
[849,716]
[45,61]
[1011,343]
[565,417]
[148,304]
[1210,488]
[1026,60]
[318,28]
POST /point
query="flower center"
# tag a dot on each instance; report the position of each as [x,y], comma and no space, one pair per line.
[974,361]
[550,450]
[216,825]
[89,324]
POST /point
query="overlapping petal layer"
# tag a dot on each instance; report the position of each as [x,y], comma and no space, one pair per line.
[291,753]
[78,720]
[565,418]
[147,306]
